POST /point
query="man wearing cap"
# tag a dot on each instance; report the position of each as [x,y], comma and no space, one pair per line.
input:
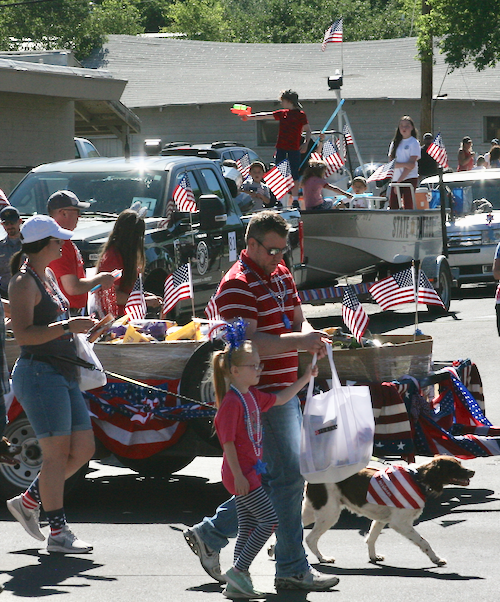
[427,166]
[11,222]
[64,206]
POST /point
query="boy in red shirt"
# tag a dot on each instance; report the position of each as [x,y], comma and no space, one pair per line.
[293,121]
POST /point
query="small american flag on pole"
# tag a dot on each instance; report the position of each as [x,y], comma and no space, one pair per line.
[399,288]
[177,286]
[279,179]
[332,158]
[437,151]
[136,307]
[244,165]
[394,290]
[183,196]
[346,139]
[333,34]
[427,293]
[211,310]
[353,314]
[384,172]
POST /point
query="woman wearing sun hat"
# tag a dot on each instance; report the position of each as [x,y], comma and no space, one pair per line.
[47,387]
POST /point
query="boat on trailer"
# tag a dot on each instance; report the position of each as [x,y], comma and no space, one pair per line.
[344,242]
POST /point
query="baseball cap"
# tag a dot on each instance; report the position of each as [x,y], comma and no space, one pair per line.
[65,198]
[39,227]
[428,136]
[9,214]
[495,141]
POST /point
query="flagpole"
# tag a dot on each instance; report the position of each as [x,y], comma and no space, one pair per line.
[334,114]
[192,288]
[415,269]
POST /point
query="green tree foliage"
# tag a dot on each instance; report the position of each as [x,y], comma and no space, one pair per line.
[200,20]
[287,21]
[467,32]
[78,25]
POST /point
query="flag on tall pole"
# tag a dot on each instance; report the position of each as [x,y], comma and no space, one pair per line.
[353,314]
[384,172]
[279,179]
[136,306]
[437,151]
[183,196]
[243,164]
[178,286]
[333,34]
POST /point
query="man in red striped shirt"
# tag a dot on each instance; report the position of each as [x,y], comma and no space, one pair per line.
[260,289]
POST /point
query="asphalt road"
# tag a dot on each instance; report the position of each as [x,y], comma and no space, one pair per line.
[135,523]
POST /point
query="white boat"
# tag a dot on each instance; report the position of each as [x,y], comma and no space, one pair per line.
[343,242]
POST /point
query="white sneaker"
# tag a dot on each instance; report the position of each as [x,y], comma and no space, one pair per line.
[67,543]
[209,558]
[29,519]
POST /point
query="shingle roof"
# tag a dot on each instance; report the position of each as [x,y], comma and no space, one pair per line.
[164,71]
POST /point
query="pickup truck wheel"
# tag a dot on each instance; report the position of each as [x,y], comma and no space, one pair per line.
[443,289]
[15,479]
[196,382]
[154,467]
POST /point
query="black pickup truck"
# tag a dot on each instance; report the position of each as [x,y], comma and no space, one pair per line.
[210,238]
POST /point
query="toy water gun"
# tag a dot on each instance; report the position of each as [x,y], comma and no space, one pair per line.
[241,110]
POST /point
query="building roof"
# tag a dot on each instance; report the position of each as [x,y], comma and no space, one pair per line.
[162,71]
[55,80]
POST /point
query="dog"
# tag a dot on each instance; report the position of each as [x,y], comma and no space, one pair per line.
[324,502]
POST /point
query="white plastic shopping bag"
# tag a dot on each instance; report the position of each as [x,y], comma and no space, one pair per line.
[87,378]
[337,431]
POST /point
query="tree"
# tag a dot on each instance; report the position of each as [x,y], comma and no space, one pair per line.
[468,31]
[200,20]
[78,25]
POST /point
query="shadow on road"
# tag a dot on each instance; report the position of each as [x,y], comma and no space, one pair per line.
[40,580]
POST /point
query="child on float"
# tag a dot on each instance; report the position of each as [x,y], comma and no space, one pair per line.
[238,425]
[359,188]
[313,182]
[262,196]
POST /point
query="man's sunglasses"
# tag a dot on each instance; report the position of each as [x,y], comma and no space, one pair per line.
[273,251]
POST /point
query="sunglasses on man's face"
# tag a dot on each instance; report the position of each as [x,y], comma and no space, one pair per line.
[273,251]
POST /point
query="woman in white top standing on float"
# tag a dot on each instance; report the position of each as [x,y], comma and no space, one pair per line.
[405,149]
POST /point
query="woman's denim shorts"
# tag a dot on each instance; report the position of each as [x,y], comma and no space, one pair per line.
[54,405]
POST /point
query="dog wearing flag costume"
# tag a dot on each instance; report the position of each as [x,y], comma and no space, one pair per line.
[393,496]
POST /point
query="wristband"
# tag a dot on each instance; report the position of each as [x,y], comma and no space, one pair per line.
[65,325]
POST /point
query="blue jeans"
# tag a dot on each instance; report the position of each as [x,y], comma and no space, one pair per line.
[285,487]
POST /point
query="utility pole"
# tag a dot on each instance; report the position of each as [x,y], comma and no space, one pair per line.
[426,58]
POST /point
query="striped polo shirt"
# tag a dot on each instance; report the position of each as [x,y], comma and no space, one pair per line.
[245,292]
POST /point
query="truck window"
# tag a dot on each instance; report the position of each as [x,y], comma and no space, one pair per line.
[211,184]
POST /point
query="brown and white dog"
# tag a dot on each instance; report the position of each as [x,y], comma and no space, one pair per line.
[324,502]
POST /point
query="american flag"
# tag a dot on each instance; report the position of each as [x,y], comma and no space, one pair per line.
[244,165]
[332,158]
[427,293]
[394,290]
[184,197]
[178,286]
[353,314]
[136,307]
[399,288]
[437,151]
[346,139]
[211,310]
[279,179]
[396,486]
[383,172]
[332,34]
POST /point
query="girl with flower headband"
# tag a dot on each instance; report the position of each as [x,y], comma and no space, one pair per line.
[238,425]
